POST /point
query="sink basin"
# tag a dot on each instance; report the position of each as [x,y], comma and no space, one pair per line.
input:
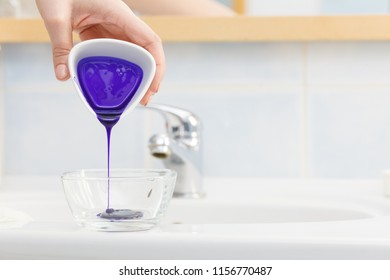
[209,212]
[272,202]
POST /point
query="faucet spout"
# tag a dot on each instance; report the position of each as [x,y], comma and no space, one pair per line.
[179,149]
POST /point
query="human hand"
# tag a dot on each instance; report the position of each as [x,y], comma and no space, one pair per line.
[98,19]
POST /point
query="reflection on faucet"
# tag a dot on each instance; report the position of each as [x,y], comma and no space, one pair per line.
[179,149]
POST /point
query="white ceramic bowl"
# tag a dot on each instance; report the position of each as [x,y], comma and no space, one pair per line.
[118,49]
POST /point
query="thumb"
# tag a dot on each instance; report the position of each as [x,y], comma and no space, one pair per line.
[60,33]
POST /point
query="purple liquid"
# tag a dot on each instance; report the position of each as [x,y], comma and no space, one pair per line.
[108,85]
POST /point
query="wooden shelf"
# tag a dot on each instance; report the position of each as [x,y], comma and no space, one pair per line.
[233,29]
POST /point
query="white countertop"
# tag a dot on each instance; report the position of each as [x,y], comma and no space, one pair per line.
[46,230]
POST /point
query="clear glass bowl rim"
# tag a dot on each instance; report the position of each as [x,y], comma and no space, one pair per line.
[133,174]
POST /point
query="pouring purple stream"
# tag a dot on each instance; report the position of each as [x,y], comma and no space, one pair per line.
[108,85]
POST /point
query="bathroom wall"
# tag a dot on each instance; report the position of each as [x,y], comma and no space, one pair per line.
[316,7]
[268,109]
[285,109]
[2,94]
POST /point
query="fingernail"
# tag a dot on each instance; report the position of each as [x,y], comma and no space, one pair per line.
[61,71]
[144,101]
[158,88]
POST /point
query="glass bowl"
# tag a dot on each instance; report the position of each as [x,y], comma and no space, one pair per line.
[129,200]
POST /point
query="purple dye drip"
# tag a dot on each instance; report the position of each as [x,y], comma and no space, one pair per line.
[108,85]
[121,214]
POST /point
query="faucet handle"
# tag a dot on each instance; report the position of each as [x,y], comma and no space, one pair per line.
[182,125]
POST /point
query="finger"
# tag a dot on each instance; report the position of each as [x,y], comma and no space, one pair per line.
[60,33]
[156,50]
[158,53]
[141,34]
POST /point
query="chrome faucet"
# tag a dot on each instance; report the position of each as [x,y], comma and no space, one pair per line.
[179,149]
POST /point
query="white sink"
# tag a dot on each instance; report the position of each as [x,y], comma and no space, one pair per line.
[239,219]
[274,202]
[210,212]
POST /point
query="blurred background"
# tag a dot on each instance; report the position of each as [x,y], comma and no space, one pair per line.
[268,109]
